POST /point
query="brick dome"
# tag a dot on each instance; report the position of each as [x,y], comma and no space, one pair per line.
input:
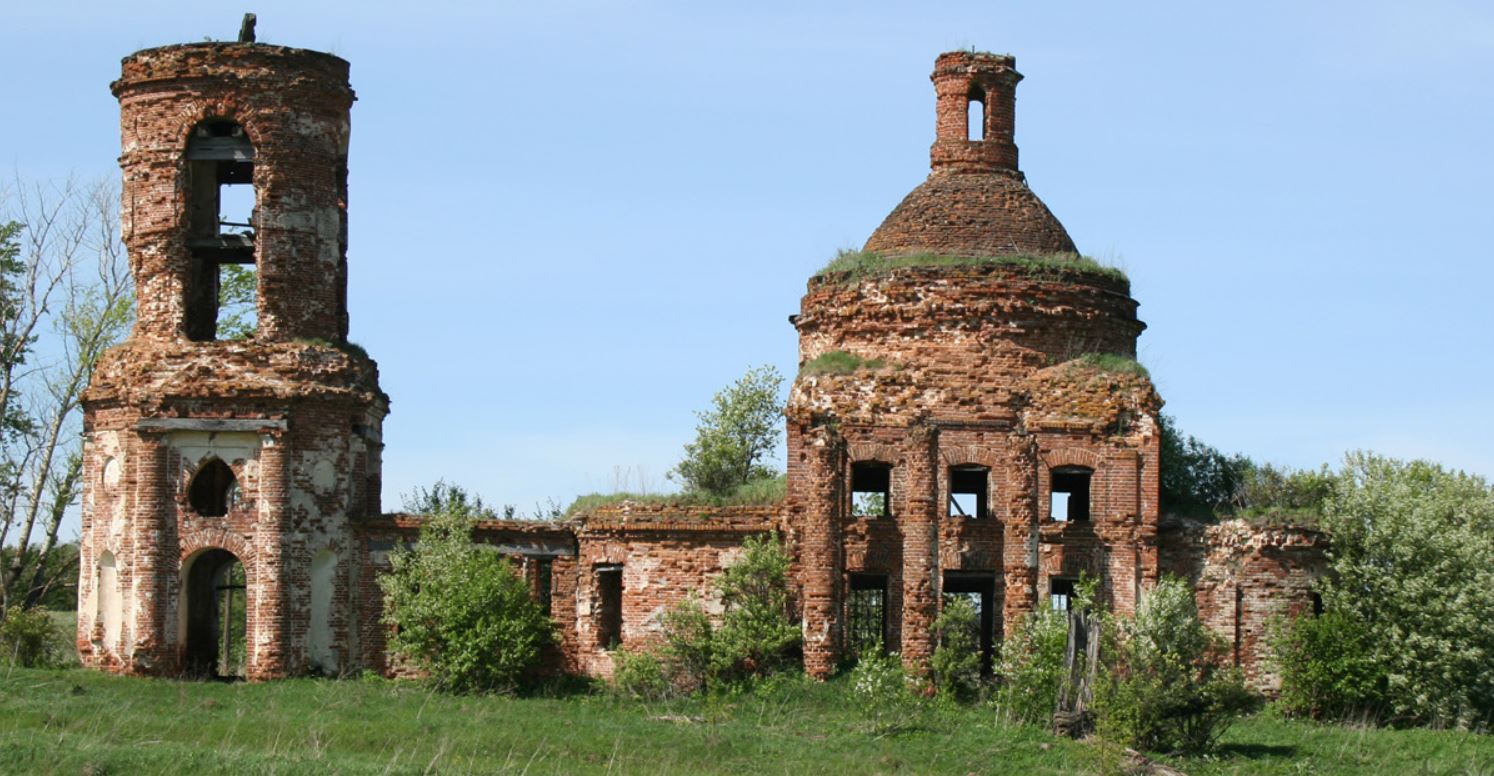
[976,202]
[971,214]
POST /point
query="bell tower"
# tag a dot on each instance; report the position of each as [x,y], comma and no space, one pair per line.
[229,455]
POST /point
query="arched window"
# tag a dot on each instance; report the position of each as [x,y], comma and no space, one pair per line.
[213,489]
[975,114]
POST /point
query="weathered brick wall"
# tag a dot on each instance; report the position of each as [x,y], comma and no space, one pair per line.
[667,553]
[1246,576]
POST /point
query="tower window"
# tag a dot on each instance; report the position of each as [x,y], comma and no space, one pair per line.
[1070,493]
[213,490]
[975,115]
[221,222]
[871,489]
[968,488]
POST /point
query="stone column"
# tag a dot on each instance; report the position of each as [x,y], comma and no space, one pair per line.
[919,521]
[822,552]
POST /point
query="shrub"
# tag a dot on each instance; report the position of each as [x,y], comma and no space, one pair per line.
[1327,668]
[1410,556]
[460,610]
[956,659]
[30,639]
[1032,668]
[640,676]
[1163,690]
[880,686]
[758,631]
[689,642]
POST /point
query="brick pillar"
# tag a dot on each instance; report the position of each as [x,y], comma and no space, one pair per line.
[821,553]
[266,637]
[919,521]
[1020,535]
[155,559]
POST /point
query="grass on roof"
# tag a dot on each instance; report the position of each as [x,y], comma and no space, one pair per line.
[763,492]
[853,266]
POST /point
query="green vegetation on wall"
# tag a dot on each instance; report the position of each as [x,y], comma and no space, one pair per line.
[853,266]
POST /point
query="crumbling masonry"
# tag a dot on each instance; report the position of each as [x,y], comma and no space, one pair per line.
[966,421]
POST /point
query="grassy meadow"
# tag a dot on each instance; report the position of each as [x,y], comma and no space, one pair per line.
[75,721]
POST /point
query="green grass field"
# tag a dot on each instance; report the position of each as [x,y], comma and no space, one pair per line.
[76,721]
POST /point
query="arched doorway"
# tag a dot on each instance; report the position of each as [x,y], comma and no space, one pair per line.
[217,616]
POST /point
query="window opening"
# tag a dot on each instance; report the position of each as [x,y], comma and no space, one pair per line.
[542,575]
[1317,605]
[213,490]
[1239,623]
[609,606]
[868,612]
[1061,592]
[221,222]
[871,489]
[968,489]
[980,590]
[975,116]
[1070,493]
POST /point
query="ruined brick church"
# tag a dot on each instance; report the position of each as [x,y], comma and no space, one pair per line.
[981,437]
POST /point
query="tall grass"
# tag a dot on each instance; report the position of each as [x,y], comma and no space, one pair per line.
[76,721]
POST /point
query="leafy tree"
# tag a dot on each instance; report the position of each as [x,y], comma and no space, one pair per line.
[1410,555]
[238,286]
[446,498]
[460,610]
[63,274]
[741,428]
[1196,479]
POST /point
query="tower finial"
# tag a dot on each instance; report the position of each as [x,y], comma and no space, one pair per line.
[981,142]
[246,30]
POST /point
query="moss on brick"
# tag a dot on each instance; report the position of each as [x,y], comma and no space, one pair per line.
[839,362]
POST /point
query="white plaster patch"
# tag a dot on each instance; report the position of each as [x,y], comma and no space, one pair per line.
[320,637]
[112,472]
[324,476]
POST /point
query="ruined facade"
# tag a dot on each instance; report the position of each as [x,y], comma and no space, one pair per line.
[968,419]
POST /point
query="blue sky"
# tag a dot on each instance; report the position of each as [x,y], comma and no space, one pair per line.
[571,223]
